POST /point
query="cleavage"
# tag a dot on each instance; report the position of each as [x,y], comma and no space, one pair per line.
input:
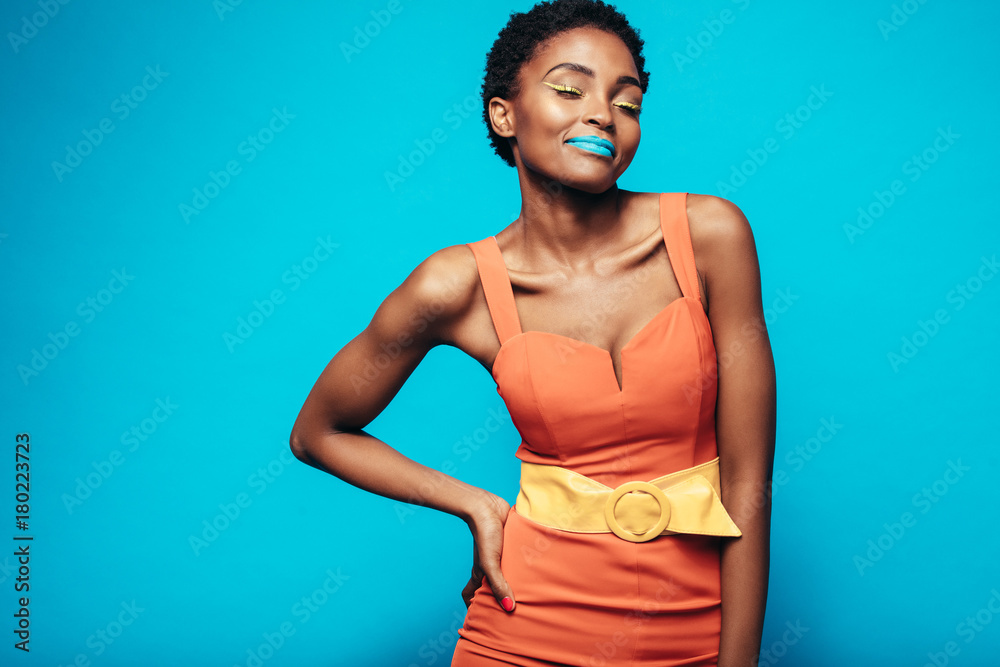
[593,318]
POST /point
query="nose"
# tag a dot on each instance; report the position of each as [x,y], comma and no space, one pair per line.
[598,113]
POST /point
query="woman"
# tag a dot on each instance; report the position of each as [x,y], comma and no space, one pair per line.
[601,314]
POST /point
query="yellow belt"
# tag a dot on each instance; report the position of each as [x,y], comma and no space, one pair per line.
[686,501]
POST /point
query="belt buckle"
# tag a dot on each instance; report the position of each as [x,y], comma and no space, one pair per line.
[621,531]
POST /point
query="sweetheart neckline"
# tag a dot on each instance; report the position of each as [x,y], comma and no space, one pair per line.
[605,353]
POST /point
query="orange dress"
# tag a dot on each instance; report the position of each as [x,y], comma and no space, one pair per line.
[594,599]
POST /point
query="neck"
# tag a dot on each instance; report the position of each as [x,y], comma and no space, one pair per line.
[562,225]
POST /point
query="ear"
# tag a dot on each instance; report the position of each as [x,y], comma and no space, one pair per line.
[502,117]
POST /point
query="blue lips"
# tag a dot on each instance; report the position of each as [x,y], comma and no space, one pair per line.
[594,144]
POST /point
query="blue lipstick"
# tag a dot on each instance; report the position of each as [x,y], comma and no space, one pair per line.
[594,145]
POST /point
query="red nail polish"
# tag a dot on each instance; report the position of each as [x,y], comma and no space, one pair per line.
[507,603]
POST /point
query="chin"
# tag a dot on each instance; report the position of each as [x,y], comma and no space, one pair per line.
[593,188]
[589,182]
[595,178]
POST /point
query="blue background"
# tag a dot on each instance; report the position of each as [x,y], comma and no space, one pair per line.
[868,591]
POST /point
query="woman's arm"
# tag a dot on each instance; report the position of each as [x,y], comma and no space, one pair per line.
[745,419]
[362,378]
[429,308]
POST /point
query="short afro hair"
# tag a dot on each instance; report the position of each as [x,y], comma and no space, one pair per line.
[518,41]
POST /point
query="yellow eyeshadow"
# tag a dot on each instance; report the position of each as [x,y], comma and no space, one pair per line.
[562,89]
[571,89]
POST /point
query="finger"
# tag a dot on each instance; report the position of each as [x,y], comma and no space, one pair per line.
[470,589]
[498,584]
[475,580]
[469,593]
[487,548]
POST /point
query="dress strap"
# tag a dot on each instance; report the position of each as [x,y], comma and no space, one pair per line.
[677,236]
[496,286]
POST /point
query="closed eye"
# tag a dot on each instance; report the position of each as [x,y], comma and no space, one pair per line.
[563,89]
[631,108]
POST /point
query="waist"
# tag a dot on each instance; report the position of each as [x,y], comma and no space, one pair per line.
[686,501]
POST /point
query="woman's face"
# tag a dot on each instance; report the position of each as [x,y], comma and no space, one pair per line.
[575,119]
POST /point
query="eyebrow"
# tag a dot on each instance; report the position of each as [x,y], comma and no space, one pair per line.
[583,69]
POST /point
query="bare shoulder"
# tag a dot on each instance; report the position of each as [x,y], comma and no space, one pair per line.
[448,305]
[716,220]
[720,232]
[723,243]
[441,290]
[369,370]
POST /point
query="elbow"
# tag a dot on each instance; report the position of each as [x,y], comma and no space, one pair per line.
[306,444]
[312,435]
[298,443]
